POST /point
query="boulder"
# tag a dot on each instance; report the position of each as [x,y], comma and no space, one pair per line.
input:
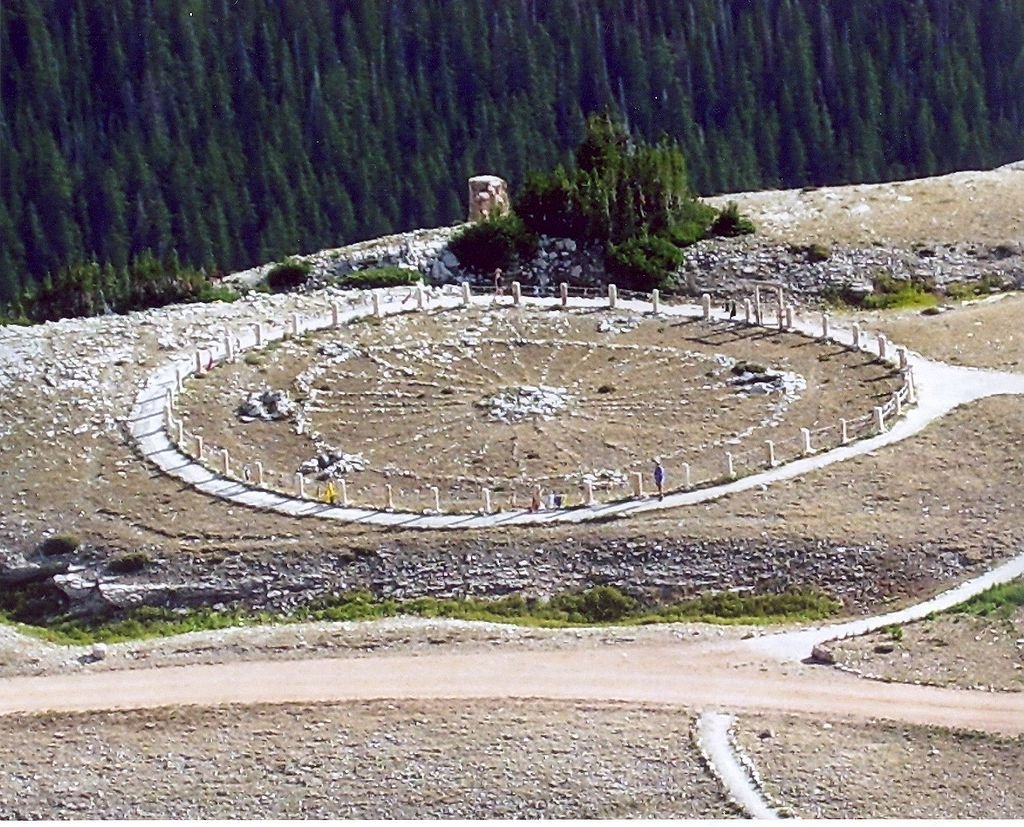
[821,654]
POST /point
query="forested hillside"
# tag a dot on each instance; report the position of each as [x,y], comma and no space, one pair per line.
[237,132]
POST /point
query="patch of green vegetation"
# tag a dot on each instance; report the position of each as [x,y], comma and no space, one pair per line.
[129,563]
[59,544]
[967,290]
[498,242]
[889,293]
[894,631]
[253,359]
[287,275]
[729,223]
[380,277]
[601,605]
[999,602]
[209,292]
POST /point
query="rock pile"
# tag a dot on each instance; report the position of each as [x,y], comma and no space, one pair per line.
[752,380]
[725,267]
[268,405]
[526,401]
[333,464]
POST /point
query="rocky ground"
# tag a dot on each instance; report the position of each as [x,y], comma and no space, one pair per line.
[947,650]
[371,760]
[837,769]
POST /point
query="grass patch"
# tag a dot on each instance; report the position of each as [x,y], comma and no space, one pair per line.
[376,277]
[967,290]
[888,293]
[59,544]
[1000,602]
[601,605]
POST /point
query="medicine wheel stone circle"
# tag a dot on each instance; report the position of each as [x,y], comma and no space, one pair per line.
[492,407]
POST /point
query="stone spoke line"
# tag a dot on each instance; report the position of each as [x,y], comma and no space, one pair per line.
[939,389]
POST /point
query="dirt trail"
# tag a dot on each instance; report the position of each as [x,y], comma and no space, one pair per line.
[726,676]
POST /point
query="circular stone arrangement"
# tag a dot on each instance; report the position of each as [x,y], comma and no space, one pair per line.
[510,400]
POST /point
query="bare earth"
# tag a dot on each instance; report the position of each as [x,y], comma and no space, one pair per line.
[379,759]
[827,768]
[955,489]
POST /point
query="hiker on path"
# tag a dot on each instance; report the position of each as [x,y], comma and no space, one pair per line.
[659,477]
[499,285]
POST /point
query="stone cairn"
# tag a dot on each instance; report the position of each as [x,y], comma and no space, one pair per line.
[488,197]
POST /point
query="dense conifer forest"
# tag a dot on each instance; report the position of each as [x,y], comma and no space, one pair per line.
[223,133]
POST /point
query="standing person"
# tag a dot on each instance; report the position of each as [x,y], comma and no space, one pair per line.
[499,285]
[659,477]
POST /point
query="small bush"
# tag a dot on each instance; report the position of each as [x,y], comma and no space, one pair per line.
[643,263]
[380,277]
[601,604]
[606,389]
[59,544]
[217,293]
[129,563]
[287,275]
[894,631]
[729,223]
[1000,601]
[502,242]
[965,290]
[253,359]
[818,252]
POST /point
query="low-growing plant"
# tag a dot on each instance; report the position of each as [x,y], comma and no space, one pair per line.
[888,293]
[210,292]
[966,290]
[59,544]
[601,605]
[129,563]
[894,631]
[287,275]
[643,263]
[377,277]
[499,242]
[729,223]
[1000,601]
[253,359]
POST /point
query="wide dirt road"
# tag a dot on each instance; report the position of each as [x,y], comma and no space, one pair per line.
[699,675]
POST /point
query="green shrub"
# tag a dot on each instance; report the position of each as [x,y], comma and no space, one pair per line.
[818,252]
[888,293]
[59,544]
[375,277]
[964,290]
[894,631]
[548,205]
[209,292]
[643,263]
[729,223]
[287,275]
[891,293]
[129,563]
[502,241]
[1000,601]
